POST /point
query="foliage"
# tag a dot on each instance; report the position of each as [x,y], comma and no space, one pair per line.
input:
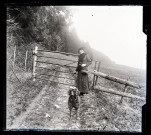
[28,26]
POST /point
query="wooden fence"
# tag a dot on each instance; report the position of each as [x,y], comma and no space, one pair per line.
[117,80]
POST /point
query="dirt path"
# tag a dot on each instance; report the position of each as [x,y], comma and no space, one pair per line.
[49,110]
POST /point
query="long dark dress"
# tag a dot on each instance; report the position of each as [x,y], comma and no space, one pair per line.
[82,79]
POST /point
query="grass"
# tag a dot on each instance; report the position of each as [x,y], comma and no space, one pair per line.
[125,116]
[19,96]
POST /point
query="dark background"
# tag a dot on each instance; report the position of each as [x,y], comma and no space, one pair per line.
[145,117]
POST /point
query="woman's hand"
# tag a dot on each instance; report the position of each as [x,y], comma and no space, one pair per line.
[83,65]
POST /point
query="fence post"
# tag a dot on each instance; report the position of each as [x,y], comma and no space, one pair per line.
[26,59]
[122,96]
[99,63]
[14,58]
[34,62]
[125,88]
[94,75]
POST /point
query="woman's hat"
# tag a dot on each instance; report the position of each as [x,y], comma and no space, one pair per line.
[82,48]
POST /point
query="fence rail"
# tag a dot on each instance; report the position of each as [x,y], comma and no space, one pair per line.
[115,79]
[54,70]
[58,52]
[53,81]
[118,92]
[56,58]
[55,64]
[54,76]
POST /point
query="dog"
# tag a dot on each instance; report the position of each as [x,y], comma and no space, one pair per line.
[74,100]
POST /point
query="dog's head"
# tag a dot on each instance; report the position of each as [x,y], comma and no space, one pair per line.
[73,91]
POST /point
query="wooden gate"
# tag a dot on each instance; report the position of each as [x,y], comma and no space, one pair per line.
[50,58]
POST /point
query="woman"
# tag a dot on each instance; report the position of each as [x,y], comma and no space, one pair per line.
[82,80]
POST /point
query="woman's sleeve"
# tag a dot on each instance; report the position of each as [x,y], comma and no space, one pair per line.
[89,60]
[77,66]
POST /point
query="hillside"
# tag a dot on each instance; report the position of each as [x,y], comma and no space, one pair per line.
[74,43]
[99,56]
[125,72]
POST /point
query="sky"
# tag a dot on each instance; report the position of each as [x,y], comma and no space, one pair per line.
[116,31]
